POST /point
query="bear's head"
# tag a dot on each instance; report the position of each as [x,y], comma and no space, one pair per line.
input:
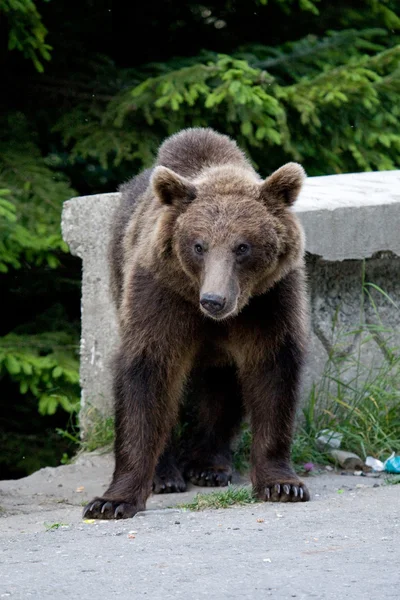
[235,235]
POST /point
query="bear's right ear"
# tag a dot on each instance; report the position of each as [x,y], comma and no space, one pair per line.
[171,188]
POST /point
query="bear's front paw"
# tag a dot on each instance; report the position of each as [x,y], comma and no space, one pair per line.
[101,508]
[284,491]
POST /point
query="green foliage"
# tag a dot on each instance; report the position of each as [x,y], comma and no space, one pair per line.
[26,30]
[18,243]
[328,102]
[31,195]
[30,203]
[44,366]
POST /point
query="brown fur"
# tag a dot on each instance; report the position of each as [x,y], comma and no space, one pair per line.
[208,278]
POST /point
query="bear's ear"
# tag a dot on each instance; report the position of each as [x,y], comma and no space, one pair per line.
[284,185]
[171,188]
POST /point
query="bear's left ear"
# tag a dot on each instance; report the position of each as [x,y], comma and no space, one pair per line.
[284,185]
[171,188]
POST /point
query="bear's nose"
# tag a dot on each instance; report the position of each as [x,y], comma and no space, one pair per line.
[212,303]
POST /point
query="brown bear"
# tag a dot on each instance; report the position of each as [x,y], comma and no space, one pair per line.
[207,272]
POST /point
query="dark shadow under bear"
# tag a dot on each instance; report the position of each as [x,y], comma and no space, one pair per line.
[207,275]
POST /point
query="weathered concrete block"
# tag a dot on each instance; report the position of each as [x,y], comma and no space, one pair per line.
[347,219]
[85,225]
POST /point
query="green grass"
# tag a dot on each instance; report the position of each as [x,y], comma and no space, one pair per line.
[98,435]
[233,496]
[364,408]
[360,401]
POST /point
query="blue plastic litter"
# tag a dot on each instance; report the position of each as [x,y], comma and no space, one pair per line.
[392,464]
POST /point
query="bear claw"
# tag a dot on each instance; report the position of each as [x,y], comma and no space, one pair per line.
[210,477]
[101,508]
[168,487]
[170,483]
[287,492]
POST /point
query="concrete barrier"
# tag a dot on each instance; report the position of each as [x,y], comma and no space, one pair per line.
[352,225]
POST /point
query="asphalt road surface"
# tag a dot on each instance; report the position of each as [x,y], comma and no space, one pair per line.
[344,544]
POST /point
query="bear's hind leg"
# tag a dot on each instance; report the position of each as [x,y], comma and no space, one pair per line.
[168,477]
[214,413]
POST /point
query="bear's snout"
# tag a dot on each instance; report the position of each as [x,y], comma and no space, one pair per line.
[212,303]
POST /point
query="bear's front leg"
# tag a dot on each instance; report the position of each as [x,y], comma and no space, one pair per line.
[147,394]
[156,354]
[270,388]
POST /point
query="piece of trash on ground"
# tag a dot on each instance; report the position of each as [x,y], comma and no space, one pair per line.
[392,464]
[375,464]
[347,460]
[328,439]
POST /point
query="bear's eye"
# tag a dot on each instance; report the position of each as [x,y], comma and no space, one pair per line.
[242,249]
[198,248]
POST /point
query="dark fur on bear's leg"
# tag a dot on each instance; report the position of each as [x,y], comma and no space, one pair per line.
[270,391]
[168,477]
[214,415]
[269,342]
[140,435]
[148,384]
